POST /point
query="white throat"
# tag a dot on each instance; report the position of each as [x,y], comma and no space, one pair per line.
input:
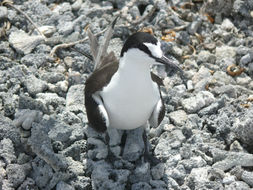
[131,95]
[135,63]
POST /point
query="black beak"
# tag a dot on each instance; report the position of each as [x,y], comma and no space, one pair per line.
[170,61]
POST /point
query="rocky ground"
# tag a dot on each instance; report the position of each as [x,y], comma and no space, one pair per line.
[206,138]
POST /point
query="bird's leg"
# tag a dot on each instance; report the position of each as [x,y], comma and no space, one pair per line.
[134,145]
[147,155]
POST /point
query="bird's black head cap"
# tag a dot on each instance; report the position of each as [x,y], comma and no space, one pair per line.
[137,40]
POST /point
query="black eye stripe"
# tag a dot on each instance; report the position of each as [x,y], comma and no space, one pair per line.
[137,40]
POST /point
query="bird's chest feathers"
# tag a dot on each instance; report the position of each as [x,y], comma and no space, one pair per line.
[131,93]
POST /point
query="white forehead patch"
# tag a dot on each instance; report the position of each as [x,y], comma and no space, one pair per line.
[155,49]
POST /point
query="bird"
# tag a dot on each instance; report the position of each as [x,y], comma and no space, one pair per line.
[125,94]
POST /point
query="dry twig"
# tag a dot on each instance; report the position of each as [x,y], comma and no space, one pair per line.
[10,4]
[67,45]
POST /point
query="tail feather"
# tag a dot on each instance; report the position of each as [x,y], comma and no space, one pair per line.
[101,57]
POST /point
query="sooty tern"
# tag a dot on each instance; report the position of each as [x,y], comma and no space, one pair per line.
[125,94]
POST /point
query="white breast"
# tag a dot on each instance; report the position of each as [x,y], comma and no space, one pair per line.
[131,96]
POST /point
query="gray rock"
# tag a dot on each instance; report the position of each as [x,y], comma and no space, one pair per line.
[241,7]
[222,7]
[36,60]
[178,117]
[231,159]
[225,62]
[10,103]
[193,162]
[104,177]
[41,145]
[28,183]
[81,182]
[41,173]
[77,5]
[39,11]
[194,26]
[244,127]
[24,43]
[178,173]
[246,59]
[6,185]
[69,117]
[237,185]
[8,130]
[75,99]
[23,158]
[184,38]
[197,178]
[100,151]
[172,184]
[7,152]
[64,186]
[206,57]
[34,85]
[229,179]
[227,25]
[158,184]
[24,118]
[158,171]
[75,149]
[141,174]
[26,102]
[65,28]
[75,167]
[194,104]
[3,12]
[244,80]
[60,132]
[134,145]
[50,99]
[141,185]
[229,90]
[48,31]
[248,177]
[17,173]
[213,108]
[225,51]
[52,77]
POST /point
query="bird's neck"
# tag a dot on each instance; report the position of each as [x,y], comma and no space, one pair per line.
[134,63]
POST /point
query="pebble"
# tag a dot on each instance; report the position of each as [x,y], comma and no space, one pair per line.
[64,186]
[157,171]
[228,180]
[243,127]
[3,12]
[248,177]
[17,173]
[194,26]
[141,185]
[141,174]
[7,151]
[75,98]
[24,43]
[227,25]
[178,117]
[194,104]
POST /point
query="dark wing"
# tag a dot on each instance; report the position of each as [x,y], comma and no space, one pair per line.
[95,110]
[159,110]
